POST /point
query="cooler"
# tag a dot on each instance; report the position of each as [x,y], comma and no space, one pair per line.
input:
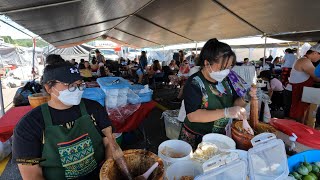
[95,94]
[307,137]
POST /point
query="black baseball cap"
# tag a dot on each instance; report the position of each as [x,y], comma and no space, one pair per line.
[66,73]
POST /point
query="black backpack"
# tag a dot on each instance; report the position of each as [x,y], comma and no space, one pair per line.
[21,96]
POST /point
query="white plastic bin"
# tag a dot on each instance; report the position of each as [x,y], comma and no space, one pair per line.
[172,124]
[178,147]
[183,168]
[222,141]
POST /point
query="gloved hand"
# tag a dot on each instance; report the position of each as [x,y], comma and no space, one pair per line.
[253,92]
[247,127]
[235,112]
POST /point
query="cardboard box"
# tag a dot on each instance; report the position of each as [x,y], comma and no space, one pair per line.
[311,95]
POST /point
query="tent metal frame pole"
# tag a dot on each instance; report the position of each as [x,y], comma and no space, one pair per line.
[33,56]
[39,7]
[88,25]
[1,100]
[298,50]
[265,49]
[237,16]
[196,48]
[16,28]
[151,22]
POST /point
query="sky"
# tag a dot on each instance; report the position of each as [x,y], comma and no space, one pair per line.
[6,30]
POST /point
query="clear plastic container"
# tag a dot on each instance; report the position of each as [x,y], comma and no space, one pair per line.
[172,124]
[267,159]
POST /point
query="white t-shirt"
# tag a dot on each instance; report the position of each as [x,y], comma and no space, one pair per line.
[275,85]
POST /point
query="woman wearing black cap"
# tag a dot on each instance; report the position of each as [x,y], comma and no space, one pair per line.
[66,138]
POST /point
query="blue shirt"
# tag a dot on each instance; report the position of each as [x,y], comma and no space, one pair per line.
[289,60]
[317,71]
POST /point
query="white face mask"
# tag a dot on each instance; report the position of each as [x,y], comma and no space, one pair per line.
[219,75]
[70,98]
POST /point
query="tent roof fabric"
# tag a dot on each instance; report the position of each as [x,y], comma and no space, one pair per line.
[145,23]
[313,36]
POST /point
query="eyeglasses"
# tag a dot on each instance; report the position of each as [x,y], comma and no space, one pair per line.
[72,87]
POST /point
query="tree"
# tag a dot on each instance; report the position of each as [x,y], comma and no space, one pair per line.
[8,39]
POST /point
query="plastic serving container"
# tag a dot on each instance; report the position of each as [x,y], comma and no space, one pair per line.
[95,94]
[176,146]
[183,168]
[222,141]
[266,160]
[116,90]
[307,137]
[172,124]
[144,97]
[224,166]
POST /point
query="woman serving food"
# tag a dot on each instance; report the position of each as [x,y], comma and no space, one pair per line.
[66,138]
[210,100]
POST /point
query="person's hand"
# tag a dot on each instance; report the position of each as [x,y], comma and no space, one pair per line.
[247,127]
[236,112]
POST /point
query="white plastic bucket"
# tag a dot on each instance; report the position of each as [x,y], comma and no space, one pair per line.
[183,168]
[177,146]
[220,139]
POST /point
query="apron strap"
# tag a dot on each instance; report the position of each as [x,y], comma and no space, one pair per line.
[83,108]
[46,115]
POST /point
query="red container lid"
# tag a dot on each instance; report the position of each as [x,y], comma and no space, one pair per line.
[306,135]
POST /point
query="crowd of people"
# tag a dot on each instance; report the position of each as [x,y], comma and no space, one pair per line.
[286,77]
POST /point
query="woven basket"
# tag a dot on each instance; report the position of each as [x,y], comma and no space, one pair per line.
[138,161]
[243,139]
[38,99]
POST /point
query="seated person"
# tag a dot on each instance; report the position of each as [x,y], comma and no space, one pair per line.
[154,68]
[173,66]
[94,65]
[85,71]
[182,74]
[275,89]
[102,72]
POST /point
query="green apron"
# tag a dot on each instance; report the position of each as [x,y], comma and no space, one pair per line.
[192,132]
[70,153]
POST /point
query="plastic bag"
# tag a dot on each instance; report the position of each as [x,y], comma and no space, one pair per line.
[121,107]
[21,96]
[5,149]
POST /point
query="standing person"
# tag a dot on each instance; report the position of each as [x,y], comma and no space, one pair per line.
[181,57]
[94,65]
[209,100]
[100,58]
[288,61]
[143,62]
[246,62]
[275,89]
[302,75]
[47,140]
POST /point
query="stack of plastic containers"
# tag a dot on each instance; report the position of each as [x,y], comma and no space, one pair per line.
[116,90]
